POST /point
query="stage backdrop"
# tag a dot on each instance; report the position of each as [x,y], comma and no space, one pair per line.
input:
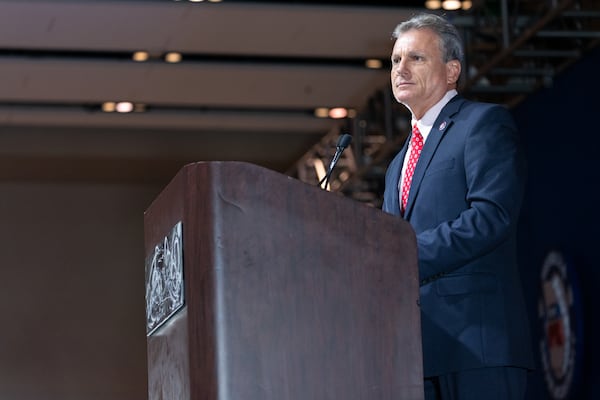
[559,249]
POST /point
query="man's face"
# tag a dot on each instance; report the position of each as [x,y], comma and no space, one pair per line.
[420,77]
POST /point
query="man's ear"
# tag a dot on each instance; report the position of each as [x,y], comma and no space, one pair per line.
[453,71]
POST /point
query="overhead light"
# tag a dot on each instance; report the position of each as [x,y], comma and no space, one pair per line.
[338,113]
[335,112]
[451,4]
[448,4]
[173,57]
[433,4]
[140,56]
[322,112]
[373,63]
[124,107]
[109,106]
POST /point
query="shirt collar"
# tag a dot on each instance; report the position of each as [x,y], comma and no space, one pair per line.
[425,123]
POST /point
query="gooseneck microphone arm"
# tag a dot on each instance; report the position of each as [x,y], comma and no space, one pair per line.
[342,143]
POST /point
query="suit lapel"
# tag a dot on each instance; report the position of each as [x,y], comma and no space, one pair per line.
[441,126]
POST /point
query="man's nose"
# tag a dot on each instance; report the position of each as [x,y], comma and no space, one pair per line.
[399,68]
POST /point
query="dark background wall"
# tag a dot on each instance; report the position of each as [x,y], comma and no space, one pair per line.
[72,291]
[560,126]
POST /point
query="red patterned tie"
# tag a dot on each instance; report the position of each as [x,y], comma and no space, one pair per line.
[416,145]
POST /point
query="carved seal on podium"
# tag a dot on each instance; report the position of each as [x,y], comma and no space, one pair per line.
[164,280]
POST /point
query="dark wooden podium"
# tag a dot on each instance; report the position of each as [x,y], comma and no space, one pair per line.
[286,292]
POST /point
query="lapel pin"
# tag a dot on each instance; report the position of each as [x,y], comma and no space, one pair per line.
[442,126]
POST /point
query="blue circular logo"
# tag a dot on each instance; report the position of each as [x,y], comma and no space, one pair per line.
[559,311]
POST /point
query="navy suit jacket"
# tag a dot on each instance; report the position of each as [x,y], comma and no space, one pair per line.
[464,203]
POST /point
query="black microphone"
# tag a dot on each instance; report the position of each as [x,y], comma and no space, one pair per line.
[342,143]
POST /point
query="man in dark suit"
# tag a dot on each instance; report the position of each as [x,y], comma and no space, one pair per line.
[459,181]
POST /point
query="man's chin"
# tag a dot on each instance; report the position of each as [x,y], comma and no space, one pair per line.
[402,97]
[404,100]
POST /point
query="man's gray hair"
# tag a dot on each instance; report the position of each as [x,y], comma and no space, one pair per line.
[450,39]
